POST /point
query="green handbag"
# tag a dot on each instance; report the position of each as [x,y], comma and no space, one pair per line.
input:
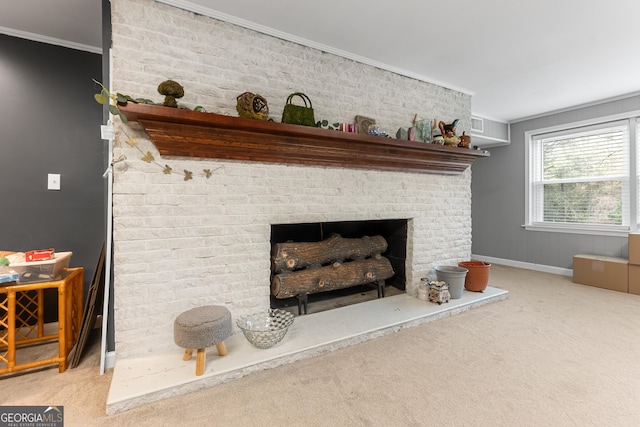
[297,114]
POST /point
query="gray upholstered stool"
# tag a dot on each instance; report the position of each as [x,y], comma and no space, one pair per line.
[202,327]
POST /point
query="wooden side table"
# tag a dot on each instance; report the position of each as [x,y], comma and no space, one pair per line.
[22,319]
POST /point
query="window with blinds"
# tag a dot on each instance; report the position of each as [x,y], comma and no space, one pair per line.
[581,176]
[635,138]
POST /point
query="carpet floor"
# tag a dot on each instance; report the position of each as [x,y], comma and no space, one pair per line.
[554,353]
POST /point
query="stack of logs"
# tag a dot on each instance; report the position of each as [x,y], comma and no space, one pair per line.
[302,268]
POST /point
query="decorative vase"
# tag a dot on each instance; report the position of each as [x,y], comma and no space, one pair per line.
[478,275]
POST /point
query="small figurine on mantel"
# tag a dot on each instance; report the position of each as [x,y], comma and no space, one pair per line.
[465,140]
[171,91]
[449,132]
[252,106]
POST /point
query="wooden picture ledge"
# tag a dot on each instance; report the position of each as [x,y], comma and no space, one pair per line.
[187,133]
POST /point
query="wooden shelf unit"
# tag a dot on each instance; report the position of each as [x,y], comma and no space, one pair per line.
[186,133]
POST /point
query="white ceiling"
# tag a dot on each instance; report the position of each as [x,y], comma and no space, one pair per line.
[516,59]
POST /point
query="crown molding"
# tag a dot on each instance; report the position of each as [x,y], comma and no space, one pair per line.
[49,40]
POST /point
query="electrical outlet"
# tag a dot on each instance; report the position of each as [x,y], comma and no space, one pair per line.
[53,182]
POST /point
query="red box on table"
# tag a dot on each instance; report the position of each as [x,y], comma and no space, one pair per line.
[39,255]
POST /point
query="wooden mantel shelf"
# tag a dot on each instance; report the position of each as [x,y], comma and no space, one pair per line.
[180,132]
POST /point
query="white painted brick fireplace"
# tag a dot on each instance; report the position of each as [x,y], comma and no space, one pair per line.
[180,244]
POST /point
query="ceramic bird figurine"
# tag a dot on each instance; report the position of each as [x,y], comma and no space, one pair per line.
[448,129]
[449,132]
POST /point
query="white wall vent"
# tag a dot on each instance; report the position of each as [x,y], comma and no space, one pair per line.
[477,124]
[489,133]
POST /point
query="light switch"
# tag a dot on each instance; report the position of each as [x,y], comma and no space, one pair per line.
[53,182]
[106,132]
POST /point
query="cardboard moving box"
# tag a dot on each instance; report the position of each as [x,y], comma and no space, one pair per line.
[634,279]
[601,271]
[634,248]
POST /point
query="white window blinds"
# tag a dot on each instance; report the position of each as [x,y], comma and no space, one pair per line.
[581,176]
[637,169]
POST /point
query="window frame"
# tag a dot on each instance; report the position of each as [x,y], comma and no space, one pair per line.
[632,120]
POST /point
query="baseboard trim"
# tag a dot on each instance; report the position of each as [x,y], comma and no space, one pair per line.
[110,360]
[526,265]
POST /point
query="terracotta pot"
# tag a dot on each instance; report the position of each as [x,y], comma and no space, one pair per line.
[478,276]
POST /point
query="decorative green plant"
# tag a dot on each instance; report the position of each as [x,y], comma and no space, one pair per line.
[105,97]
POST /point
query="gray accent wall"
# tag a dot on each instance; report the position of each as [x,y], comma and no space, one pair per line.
[50,123]
[498,199]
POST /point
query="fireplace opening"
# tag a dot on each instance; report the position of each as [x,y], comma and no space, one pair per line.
[323,238]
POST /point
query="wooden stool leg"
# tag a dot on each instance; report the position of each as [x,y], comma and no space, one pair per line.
[201,360]
[188,352]
[222,349]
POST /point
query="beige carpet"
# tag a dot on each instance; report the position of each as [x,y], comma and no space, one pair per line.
[553,354]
